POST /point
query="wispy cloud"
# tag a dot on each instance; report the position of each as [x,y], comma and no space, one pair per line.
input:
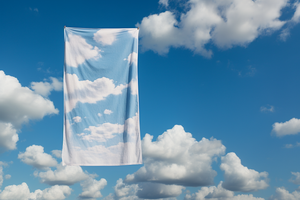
[268,108]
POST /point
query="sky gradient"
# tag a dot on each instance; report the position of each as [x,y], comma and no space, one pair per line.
[218,94]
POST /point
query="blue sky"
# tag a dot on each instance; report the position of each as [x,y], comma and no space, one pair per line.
[218,93]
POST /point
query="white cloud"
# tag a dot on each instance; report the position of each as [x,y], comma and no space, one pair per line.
[88,91]
[132,58]
[108,112]
[99,114]
[105,131]
[8,137]
[177,158]
[20,104]
[158,32]
[218,193]
[91,188]
[134,86]
[283,194]
[78,51]
[45,88]
[164,2]
[297,178]
[267,108]
[53,193]
[77,119]
[240,178]
[102,132]
[35,156]
[1,173]
[225,23]
[22,192]
[123,191]
[56,153]
[106,36]
[63,175]
[291,127]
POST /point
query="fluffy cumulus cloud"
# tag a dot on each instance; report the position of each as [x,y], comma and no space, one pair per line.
[22,192]
[240,178]
[291,127]
[91,188]
[8,137]
[54,192]
[45,88]
[283,194]
[218,193]
[225,23]
[88,91]
[78,51]
[123,191]
[63,175]
[177,158]
[18,105]
[1,172]
[35,156]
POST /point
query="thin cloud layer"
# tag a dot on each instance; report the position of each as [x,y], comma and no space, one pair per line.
[240,178]
[150,190]
[291,127]
[35,156]
[225,23]
[177,158]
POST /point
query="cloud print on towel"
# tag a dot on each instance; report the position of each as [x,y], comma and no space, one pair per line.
[78,51]
[105,131]
[89,91]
